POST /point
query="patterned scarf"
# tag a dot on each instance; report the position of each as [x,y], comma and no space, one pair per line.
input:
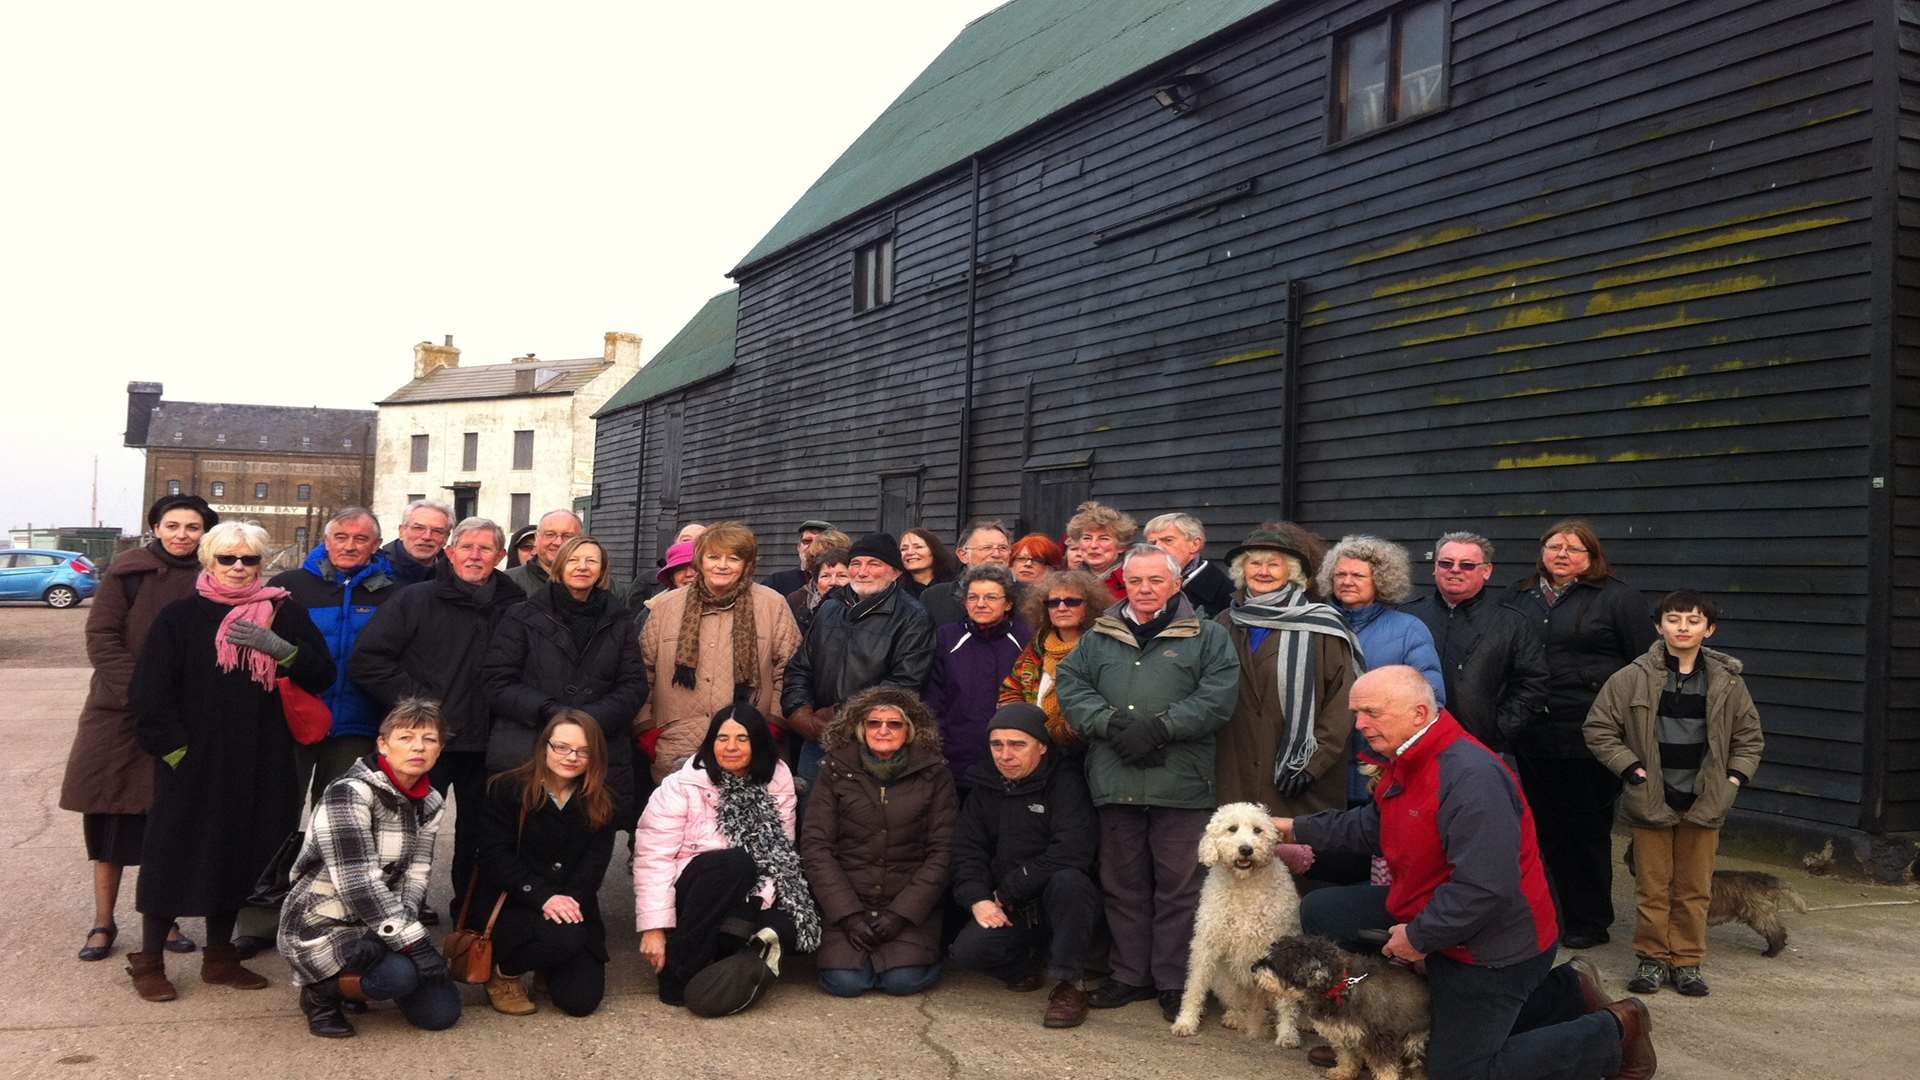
[254,604]
[1033,680]
[700,603]
[749,819]
[1287,612]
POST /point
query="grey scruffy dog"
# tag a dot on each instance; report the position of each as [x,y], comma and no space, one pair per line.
[1374,1012]
[1748,896]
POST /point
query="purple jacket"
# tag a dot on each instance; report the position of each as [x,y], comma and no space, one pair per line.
[964,691]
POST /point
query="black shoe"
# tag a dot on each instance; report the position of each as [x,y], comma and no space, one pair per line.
[1113,993]
[1170,1004]
[250,945]
[102,951]
[178,942]
[1026,984]
[1578,939]
[428,916]
[321,1003]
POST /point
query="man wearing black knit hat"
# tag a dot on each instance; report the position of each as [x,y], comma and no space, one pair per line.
[877,636]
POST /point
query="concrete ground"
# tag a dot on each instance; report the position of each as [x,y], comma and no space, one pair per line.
[1843,999]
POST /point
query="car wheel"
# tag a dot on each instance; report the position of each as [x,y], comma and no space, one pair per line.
[61,596]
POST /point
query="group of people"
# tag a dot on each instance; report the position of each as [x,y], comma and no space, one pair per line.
[899,756]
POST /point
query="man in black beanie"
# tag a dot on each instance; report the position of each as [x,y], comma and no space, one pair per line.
[1022,855]
[878,637]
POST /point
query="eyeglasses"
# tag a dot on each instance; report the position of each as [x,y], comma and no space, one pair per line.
[562,750]
[989,549]
[426,530]
[243,560]
[886,725]
[1066,601]
[976,598]
[1565,549]
[1034,559]
[1463,565]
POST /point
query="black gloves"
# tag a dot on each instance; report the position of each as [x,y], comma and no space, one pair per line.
[429,963]
[886,927]
[360,956]
[1140,742]
[254,636]
[860,932]
[1294,785]
[1636,774]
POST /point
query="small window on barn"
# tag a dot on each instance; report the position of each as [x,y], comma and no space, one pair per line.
[419,463]
[523,449]
[1390,70]
[219,490]
[173,487]
[873,275]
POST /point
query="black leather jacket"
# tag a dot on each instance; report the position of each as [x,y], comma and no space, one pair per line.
[852,645]
[1493,663]
[1594,631]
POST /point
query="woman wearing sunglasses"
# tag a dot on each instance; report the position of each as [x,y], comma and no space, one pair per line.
[206,704]
[545,840]
[1061,606]
[878,845]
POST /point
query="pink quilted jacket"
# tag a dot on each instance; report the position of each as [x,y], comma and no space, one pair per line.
[683,820]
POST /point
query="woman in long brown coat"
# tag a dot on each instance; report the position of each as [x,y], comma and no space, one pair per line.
[877,845]
[109,779]
[696,671]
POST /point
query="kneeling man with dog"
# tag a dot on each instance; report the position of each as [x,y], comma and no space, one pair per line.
[1469,900]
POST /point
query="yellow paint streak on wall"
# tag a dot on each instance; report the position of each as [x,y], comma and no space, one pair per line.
[1543,461]
[1537,439]
[1532,390]
[1818,120]
[1241,358]
[1760,215]
[1675,399]
[1649,455]
[1681,318]
[1609,302]
[1428,281]
[1671,371]
[1449,399]
[1534,315]
[1416,242]
[1437,313]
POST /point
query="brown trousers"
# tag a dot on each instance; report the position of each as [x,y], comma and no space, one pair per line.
[1673,887]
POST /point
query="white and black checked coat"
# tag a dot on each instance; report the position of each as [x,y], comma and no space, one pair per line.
[363,870]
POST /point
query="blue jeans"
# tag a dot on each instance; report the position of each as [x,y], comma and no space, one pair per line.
[394,978]
[898,981]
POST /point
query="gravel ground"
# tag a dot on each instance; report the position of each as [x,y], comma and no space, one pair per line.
[33,635]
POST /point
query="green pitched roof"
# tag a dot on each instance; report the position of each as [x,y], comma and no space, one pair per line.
[702,349]
[1009,69]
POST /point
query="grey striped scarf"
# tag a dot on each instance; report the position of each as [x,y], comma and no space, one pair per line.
[1287,612]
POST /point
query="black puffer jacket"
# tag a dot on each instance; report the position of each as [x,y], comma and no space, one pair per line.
[1594,631]
[1014,834]
[557,854]
[1209,589]
[429,641]
[853,646]
[1493,663]
[533,667]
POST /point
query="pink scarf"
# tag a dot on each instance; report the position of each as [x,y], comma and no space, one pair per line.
[254,604]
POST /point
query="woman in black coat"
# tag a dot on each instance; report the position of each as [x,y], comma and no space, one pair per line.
[545,839]
[207,708]
[571,644]
[1593,624]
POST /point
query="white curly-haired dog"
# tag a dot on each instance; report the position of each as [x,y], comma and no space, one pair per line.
[1246,904]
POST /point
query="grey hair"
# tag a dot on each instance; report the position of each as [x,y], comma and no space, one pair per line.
[563,510]
[966,534]
[228,535]
[1485,545]
[414,714]
[1141,551]
[1188,525]
[1392,573]
[475,524]
[352,513]
[418,505]
[993,572]
[1296,572]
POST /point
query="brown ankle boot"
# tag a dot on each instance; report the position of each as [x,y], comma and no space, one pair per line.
[220,965]
[149,971]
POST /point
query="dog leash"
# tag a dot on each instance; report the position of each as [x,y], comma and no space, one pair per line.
[1339,991]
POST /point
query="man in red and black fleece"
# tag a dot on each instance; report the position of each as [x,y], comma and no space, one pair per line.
[1469,899]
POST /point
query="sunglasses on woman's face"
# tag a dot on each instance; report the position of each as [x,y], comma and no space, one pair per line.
[886,725]
[1066,601]
[243,560]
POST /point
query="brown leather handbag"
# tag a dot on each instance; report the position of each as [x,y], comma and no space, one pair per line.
[469,953]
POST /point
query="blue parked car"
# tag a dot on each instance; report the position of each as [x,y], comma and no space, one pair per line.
[60,578]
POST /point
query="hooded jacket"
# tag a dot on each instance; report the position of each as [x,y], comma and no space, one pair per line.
[429,641]
[341,607]
[362,870]
[969,666]
[1494,666]
[1014,835]
[868,846]
[1622,727]
[1594,631]
[854,645]
[1187,675]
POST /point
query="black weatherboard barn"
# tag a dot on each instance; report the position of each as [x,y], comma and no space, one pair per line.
[1373,266]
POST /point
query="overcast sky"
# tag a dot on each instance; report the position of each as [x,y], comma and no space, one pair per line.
[272,203]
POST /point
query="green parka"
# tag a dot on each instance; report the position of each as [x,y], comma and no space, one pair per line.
[1620,730]
[1188,673]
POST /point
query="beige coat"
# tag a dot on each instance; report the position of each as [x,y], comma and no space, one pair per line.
[683,714]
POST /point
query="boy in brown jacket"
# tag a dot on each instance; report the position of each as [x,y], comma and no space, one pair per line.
[1680,728]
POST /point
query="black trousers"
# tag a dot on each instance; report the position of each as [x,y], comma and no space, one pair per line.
[1573,800]
[463,774]
[1061,922]
[526,941]
[714,911]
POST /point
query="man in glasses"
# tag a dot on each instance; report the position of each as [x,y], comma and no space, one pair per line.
[555,529]
[981,543]
[1493,663]
[423,535]
[428,642]
[1205,583]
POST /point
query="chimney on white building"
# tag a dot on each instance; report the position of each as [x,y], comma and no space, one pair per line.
[623,352]
[429,358]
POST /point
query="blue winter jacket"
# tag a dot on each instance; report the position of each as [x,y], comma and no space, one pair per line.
[1389,636]
[341,609]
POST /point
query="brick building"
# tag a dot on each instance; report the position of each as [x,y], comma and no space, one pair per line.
[286,467]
